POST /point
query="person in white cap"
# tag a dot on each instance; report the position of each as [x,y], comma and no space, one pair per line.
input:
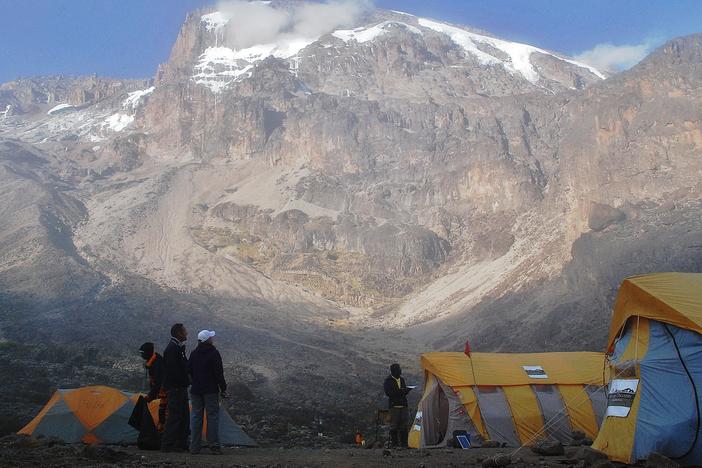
[207,376]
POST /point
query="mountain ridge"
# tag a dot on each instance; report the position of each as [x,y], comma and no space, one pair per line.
[353,206]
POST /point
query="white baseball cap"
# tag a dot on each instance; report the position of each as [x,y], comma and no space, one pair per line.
[205,335]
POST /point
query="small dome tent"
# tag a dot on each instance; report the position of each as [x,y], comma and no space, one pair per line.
[655,342]
[513,399]
[100,414]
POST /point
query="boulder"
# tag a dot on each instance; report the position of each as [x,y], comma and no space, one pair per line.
[548,447]
[502,459]
[602,216]
[590,456]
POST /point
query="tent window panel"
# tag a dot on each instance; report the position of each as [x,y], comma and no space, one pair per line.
[598,397]
[458,418]
[556,421]
[497,415]
[431,415]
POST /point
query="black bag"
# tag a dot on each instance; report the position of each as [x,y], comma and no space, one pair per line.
[141,420]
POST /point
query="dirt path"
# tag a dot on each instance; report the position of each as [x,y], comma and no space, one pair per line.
[348,458]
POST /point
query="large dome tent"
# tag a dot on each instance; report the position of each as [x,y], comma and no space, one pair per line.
[655,342]
[513,399]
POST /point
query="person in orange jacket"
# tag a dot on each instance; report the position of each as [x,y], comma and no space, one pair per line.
[155,368]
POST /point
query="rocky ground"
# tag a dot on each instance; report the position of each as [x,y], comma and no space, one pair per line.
[24,451]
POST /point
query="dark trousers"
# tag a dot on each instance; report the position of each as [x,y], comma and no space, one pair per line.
[209,403]
[175,434]
[399,426]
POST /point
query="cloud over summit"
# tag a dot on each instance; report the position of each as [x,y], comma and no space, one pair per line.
[613,58]
[252,23]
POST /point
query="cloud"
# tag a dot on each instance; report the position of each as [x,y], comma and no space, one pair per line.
[253,23]
[613,58]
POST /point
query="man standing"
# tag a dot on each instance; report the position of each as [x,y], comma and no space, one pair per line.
[176,381]
[205,368]
[154,367]
[396,390]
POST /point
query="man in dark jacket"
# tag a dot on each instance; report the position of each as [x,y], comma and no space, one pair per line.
[176,382]
[396,390]
[156,371]
[207,373]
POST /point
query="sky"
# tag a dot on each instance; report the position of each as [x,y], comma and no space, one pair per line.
[129,38]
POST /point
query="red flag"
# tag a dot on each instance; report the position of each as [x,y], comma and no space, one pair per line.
[467,349]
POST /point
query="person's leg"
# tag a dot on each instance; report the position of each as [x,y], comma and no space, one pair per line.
[162,409]
[212,406]
[174,416]
[403,427]
[185,427]
[198,406]
[394,421]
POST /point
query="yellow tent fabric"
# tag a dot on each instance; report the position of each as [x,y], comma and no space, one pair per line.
[580,412]
[504,369]
[93,405]
[674,298]
[526,413]
[470,401]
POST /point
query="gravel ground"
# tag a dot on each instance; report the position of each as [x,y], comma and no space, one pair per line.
[19,451]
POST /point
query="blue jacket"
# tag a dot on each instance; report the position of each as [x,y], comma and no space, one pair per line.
[206,370]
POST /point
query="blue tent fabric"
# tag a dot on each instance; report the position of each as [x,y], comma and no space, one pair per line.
[60,420]
[116,428]
[667,417]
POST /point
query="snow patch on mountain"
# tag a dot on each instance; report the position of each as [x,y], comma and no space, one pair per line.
[134,98]
[214,21]
[118,122]
[366,34]
[60,107]
[519,54]
[218,67]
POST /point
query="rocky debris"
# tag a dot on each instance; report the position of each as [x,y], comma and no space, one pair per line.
[548,447]
[590,456]
[660,461]
[20,450]
[579,438]
[104,454]
[501,459]
[491,444]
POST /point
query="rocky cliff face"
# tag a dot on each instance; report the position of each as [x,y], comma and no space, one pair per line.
[392,185]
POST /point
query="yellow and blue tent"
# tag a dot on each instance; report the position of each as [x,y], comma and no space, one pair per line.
[655,340]
[514,399]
